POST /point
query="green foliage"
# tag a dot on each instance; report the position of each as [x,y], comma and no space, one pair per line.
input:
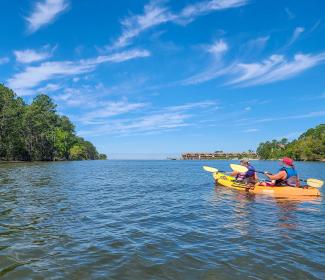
[102,156]
[309,146]
[37,132]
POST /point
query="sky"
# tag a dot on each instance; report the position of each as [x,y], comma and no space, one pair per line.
[148,79]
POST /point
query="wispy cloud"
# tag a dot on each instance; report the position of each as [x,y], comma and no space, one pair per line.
[109,109]
[156,13]
[290,14]
[148,123]
[215,69]
[251,130]
[165,119]
[190,12]
[292,117]
[194,105]
[4,60]
[29,55]
[45,12]
[218,48]
[49,88]
[295,36]
[275,68]
[33,76]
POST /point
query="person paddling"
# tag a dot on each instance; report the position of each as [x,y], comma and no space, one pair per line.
[248,177]
[286,176]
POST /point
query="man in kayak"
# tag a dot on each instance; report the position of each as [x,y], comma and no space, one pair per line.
[248,177]
[286,176]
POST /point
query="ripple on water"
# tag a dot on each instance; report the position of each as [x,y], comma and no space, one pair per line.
[151,220]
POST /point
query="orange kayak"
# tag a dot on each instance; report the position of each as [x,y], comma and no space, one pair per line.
[276,191]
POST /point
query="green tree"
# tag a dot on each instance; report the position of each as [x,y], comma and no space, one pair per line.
[64,138]
[37,132]
[11,112]
[309,146]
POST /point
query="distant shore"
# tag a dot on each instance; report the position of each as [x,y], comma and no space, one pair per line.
[45,161]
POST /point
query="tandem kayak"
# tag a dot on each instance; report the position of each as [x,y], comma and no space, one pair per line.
[276,191]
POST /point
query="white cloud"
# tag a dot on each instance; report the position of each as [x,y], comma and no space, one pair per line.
[275,68]
[290,14]
[29,55]
[254,46]
[216,69]
[296,34]
[49,88]
[44,13]
[109,109]
[33,76]
[190,106]
[155,13]
[292,117]
[219,47]
[190,12]
[4,60]
[149,123]
[165,119]
[77,97]
[250,130]
[212,72]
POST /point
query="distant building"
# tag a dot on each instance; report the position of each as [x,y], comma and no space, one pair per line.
[219,155]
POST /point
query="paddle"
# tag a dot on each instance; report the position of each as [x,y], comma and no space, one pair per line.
[315,183]
[238,168]
[213,170]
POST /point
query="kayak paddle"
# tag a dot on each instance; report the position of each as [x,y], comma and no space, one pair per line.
[315,183]
[210,169]
[213,170]
[238,168]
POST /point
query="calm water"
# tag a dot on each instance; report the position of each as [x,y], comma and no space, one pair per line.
[152,220]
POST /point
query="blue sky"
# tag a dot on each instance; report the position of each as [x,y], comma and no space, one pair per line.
[147,78]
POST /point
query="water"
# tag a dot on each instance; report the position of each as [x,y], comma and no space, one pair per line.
[152,220]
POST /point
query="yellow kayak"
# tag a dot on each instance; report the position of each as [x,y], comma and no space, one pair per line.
[277,191]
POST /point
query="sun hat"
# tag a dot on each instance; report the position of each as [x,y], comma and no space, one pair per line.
[287,161]
[244,160]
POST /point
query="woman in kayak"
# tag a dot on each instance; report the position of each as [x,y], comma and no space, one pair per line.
[248,177]
[287,175]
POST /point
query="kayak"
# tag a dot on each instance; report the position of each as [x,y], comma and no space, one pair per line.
[276,191]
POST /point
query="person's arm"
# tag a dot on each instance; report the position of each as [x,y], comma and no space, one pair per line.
[279,176]
[234,173]
[255,176]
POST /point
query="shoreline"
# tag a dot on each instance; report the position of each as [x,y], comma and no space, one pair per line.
[43,161]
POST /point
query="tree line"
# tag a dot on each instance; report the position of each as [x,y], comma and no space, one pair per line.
[35,132]
[309,146]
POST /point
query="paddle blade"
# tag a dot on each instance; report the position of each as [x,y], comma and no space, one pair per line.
[315,183]
[210,169]
[238,168]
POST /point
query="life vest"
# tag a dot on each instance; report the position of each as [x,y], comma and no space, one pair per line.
[246,176]
[292,177]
